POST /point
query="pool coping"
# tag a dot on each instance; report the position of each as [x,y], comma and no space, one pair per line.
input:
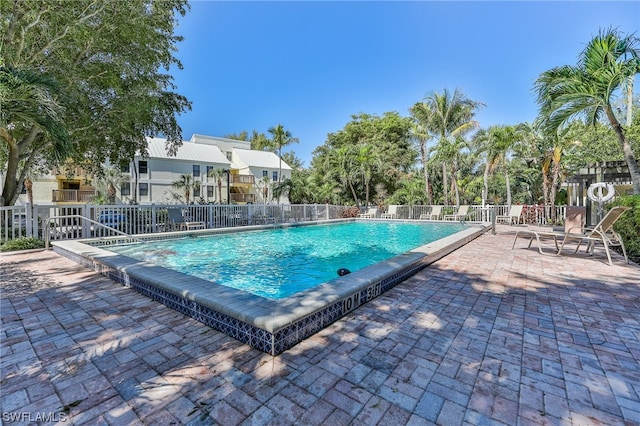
[265,324]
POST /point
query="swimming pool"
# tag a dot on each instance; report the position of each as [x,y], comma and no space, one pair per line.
[270,325]
[276,263]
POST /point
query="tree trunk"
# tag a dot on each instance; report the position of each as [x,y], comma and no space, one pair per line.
[485,178]
[554,187]
[545,189]
[508,183]
[626,149]
[630,100]
[445,183]
[135,182]
[423,154]
[28,184]
[10,189]
[353,192]
[111,194]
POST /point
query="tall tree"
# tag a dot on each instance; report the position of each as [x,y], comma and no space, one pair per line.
[342,167]
[217,175]
[590,88]
[281,137]
[31,125]
[422,115]
[367,161]
[502,140]
[187,184]
[105,58]
[451,118]
[111,177]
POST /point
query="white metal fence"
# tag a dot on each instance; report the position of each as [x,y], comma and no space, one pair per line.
[31,221]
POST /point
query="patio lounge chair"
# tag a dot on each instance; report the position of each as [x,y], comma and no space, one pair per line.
[601,233]
[461,214]
[391,212]
[369,214]
[514,215]
[434,214]
[176,221]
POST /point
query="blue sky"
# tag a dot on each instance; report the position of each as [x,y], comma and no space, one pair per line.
[311,65]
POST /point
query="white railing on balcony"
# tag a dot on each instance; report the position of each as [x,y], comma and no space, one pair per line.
[72,195]
[242,198]
[244,179]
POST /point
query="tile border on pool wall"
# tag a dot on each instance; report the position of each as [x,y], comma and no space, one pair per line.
[272,340]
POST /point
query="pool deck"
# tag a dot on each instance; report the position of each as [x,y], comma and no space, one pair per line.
[486,335]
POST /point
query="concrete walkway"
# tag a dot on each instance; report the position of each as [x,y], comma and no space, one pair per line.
[487,335]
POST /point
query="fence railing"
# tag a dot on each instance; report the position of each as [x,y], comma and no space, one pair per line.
[31,221]
[72,195]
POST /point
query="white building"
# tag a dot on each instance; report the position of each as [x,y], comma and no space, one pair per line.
[220,170]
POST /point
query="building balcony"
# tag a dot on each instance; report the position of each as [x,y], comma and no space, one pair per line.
[242,198]
[72,195]
[236,180]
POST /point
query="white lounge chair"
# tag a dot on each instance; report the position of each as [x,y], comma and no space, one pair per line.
[461,214]
[391,212]
[369,214]
[514,215]
[601,233]
[434,214]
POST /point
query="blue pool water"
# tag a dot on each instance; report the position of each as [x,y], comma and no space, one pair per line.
[277,263]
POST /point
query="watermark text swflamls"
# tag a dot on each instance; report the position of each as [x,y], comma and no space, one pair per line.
[43,417]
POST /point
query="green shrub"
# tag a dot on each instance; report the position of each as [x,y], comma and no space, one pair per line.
[22,243]
[628,226]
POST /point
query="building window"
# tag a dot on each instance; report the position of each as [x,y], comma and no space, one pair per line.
[125,168]
[196,170]
[142,167]
[210,191]
[228,155]
[209,171]
[265,173]
[143,189]
[275,176]
[125,189]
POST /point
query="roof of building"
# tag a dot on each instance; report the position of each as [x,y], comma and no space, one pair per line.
[212,140]
[253,158]
[189,151]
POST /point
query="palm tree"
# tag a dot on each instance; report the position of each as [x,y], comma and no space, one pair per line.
[588,89]
[264,183]
[217,175]
[341,165]
[111,178]
[501,141]
[30,126]
[281,137]
[367,160]
[422,115]
[451,118]
[410,192]
[187,184]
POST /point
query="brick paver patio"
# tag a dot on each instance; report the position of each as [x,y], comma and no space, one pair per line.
[487,335]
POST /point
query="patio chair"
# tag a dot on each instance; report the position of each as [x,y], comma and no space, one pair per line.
[434,214]
[461,214]
[177,221]
[514,215]
[369,214]
[601,233]
[391,212]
